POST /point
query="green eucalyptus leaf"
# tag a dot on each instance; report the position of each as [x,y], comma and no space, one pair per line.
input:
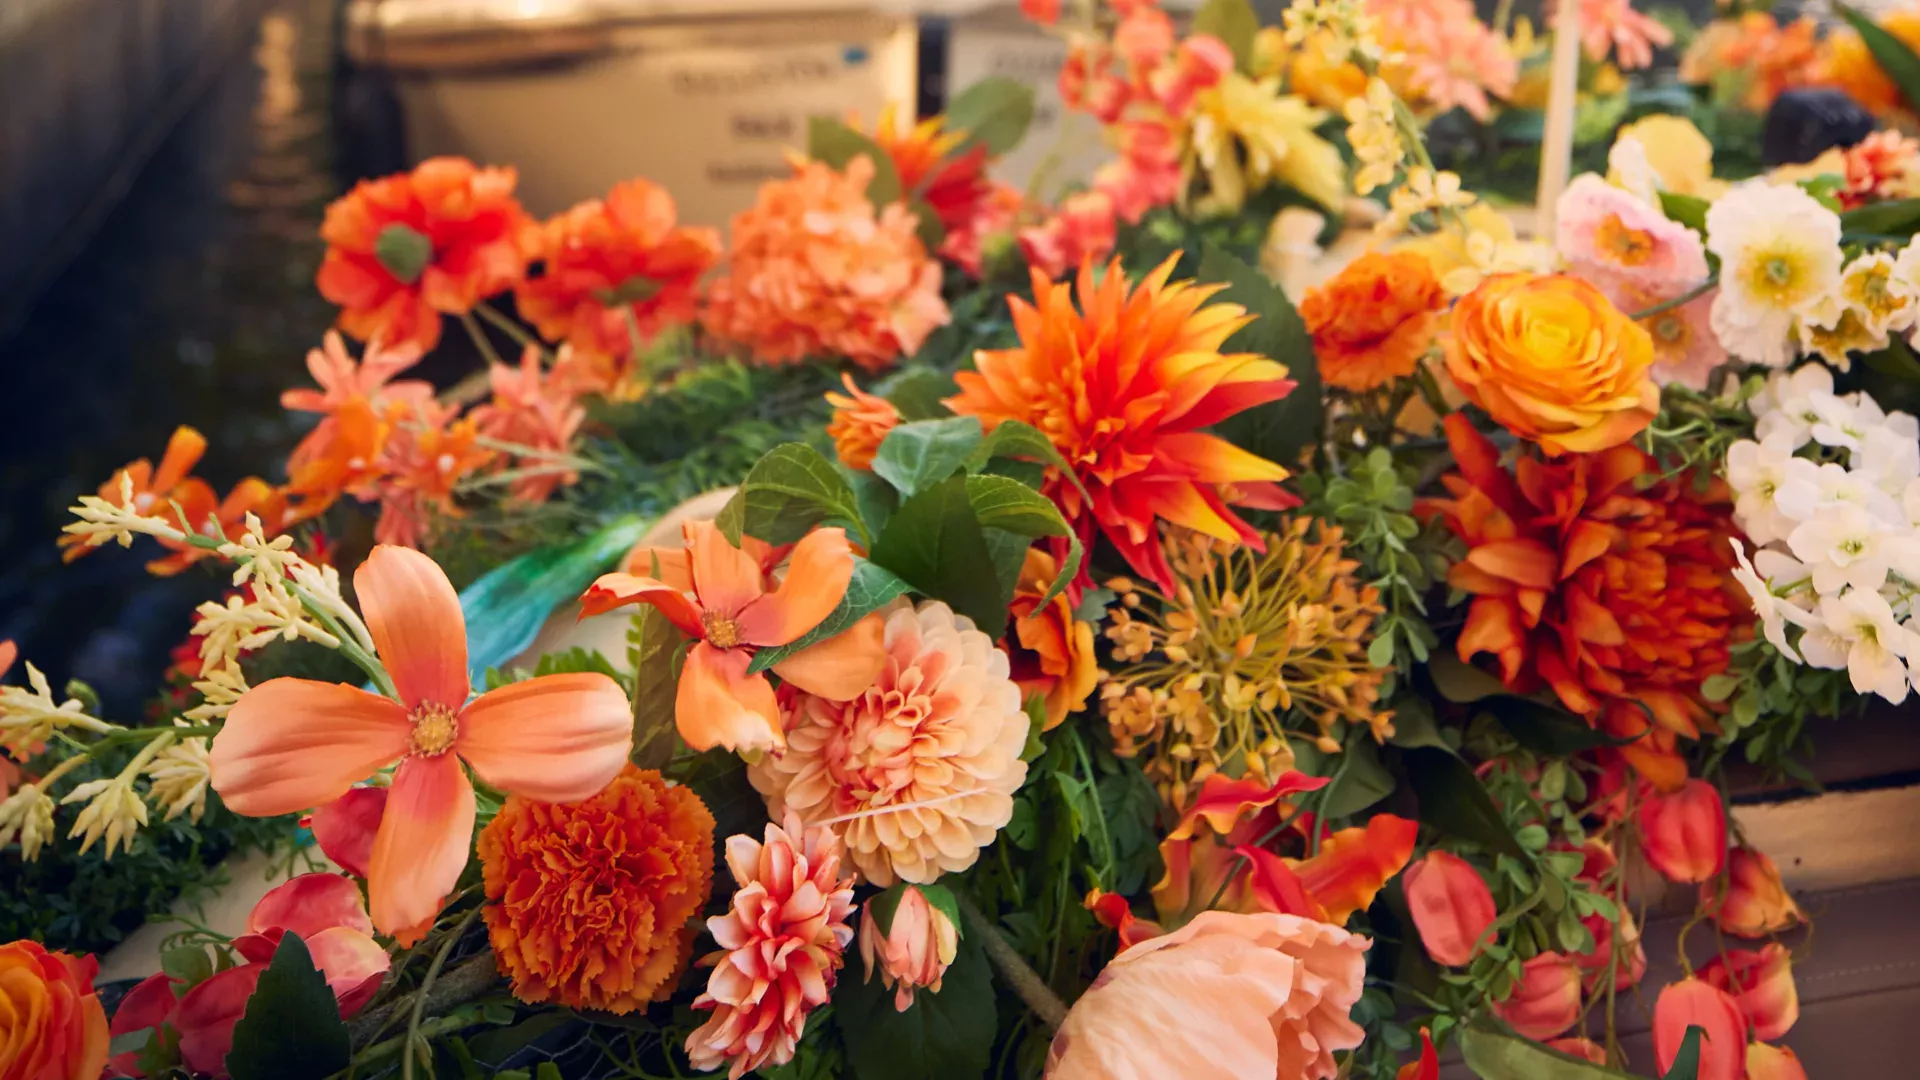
[994,113]
[1494,1053]
[871,588]
[833,143]
[291,1029]
[919,454]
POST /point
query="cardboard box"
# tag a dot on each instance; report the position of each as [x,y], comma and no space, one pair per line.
[1062,148]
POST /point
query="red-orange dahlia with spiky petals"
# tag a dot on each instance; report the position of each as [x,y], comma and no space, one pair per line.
[1618,597]
[592,903]
[1124,386]
[405,249]
[614,269]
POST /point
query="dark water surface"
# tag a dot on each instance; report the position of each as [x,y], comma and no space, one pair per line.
[193,304]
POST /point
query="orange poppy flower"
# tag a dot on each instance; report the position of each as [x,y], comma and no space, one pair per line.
[724,601]
[606,260]
[292,744]
[1125,386]
[405,249]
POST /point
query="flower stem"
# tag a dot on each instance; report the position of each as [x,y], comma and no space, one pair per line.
[1025,981]
[414,1037]
[479,337]
[512,329]
[1668,305]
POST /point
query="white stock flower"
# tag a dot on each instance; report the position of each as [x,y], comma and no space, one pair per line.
[1779,253]
[1846,545]
[1860,623]
[1910,502]
[1832,485]
[113,811]
[27,816]
[1770,608]
[1786,403]
[180,774]
[1766,478]
[1891,460]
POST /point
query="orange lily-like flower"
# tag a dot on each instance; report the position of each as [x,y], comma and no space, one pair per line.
[292,744]
[153,488]
[721,595]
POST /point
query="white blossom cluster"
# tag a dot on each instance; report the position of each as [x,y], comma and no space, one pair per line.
[1829,493]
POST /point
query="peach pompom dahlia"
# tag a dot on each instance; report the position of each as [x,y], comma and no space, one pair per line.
[917,773]
[782,943]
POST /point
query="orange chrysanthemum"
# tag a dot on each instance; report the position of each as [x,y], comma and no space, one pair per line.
[1373,320]
[1124,389]
[860,424]
[405,249]
[1618,597]
[816,272]
[592,902]
[606,260]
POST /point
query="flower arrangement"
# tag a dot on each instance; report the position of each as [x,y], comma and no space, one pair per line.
[1095,667]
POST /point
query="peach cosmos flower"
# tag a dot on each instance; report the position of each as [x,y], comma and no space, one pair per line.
[52,1026]
[916,772]
[1054,656]
[1225,997]
[405,249]
[615,270]
[1374,320]
[720,594]
[425,459]
[591,903]
[782,942]
[860,424]
[1124,386]
[1613,26]
[290,744]
[816,271]
[358,403]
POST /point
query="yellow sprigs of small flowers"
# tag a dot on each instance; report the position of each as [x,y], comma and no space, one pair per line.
[1250,647]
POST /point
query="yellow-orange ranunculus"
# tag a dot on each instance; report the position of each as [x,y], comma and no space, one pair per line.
[52,1026]
[1552,360]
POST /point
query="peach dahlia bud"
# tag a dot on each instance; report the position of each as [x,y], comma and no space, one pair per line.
[1685,833]
[1546,1000]
[909,937]
[1451,906]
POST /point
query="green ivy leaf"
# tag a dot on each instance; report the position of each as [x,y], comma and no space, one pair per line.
[653,642]
[1454,803]
[943,1036]
[935,544]
[1019,440]
[871,588]
[993,112]
[1279,430]
[292,1028]
[833,143]
[1233,22]
[1001,503]
[1893,56]
[917,455]
[791,489]
[1494,1053]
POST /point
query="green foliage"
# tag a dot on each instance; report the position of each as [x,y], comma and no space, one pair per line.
[994,113]
[1282,430]
[654,649]
[1692,432]
[934,542]
[1234,23]
[1769,701]
[292,1028]
[920,453]
[1895,58]
[787,492]
[576,660]
[1493,1052]
[943,1036]
[835,144]
[1895,217]
[505,609]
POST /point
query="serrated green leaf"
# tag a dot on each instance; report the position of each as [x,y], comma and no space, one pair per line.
[917,455]
[943,1036]
[934,543]
[833,143]
[1494,1053]
[1894,58]
[791,489]
[654,640]
[1234,23]
[871,588]
[994,113]
[506,608]
[1453,802]
[1017,439]
[917,392]
[292,1028]
[1002,503]
[1278,430]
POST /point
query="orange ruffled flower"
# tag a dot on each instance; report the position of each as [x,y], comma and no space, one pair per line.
[1375,319]
[425,460]
[1124,387]
[292,744]
[615,269]
[52,1026]
[358,402]
[1055,657]
[1617,597]
[591,901]
[1553,361]
[816,272]
[860,424]
[536,410]
[954,186]
[1755,52]
[722,596]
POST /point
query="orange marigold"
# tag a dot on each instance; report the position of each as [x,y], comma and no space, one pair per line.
[816,272]
[615,269]
[1374,320]
[1619,597]
[593,902]
[1124,386]
[405,249]
[860,424]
